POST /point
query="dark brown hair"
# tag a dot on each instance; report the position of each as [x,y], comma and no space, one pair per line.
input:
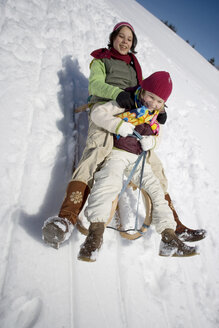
[114,34]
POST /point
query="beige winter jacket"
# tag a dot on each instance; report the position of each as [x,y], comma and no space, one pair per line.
[105,116]
[100,143]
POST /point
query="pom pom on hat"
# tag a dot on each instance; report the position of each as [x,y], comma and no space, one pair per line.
[123,24]
[159,83]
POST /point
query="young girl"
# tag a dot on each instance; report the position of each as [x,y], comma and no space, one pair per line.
[154,91]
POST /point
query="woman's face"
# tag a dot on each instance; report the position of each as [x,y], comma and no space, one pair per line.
[151,101]
[123,41]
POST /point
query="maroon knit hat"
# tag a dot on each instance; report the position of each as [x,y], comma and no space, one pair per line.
[159,83]
[123,24]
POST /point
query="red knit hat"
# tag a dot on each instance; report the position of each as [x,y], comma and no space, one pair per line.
[159,83]
[123,24]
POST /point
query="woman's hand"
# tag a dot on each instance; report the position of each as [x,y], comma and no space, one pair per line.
[125,100]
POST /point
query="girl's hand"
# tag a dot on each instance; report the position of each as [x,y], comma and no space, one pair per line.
[125,129]
[147,142]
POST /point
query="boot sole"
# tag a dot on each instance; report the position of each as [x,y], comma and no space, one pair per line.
[51,244]
[86,259]
[179,255]
[53,236]
[185,237]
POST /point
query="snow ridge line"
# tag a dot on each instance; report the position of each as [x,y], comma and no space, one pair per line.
[121,278]
[10,234]
[190,296]
[91,272]
[2,13]
[72,289]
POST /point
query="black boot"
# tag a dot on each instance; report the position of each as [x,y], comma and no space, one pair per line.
[184,233]
[171,245]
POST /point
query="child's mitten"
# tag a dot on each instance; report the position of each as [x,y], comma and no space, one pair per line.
[147,142]
[125,129]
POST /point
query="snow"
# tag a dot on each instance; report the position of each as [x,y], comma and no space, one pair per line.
[45,54]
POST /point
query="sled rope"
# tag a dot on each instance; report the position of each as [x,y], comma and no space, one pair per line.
[143,157]
[131,174]
[139,190]
[139,136]
[128,230]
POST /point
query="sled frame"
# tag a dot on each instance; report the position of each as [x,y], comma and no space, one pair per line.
[115,207]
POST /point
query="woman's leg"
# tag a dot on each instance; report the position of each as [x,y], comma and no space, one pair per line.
[183,232]
[162,216]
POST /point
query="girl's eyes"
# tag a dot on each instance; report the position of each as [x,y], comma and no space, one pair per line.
[152,98]
[123,36]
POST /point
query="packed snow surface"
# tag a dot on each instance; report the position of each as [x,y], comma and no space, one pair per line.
[45,48]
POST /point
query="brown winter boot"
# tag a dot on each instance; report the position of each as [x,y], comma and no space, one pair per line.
[171,245]
[92,243]
[184,233]
[56,230]
[75,198]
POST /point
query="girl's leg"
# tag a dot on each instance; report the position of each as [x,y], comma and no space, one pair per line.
[162,216]
[108,184]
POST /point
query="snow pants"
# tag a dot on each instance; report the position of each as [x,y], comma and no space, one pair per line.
[109,182]
[98,146]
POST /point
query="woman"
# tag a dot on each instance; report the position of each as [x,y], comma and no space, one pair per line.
[112,71]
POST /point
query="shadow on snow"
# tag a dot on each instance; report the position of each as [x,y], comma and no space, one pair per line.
[73,93]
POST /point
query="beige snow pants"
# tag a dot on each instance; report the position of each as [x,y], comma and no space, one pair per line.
[108,184]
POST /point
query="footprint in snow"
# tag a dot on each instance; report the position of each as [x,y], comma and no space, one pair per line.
[21,312]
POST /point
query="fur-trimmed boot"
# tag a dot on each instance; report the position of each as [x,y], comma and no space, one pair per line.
[171,245]
[92,243]
[56,230]
[184,233]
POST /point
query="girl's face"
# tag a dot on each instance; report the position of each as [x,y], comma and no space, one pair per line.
[123,41]
[151,101]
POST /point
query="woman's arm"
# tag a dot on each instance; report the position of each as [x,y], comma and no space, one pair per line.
[103,116]
[97,85]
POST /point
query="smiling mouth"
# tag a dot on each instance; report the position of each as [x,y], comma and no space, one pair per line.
[148,106]
[145,104]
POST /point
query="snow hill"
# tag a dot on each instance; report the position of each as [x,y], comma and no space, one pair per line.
[45,54]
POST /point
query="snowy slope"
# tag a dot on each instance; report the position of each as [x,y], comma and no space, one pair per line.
[44,68]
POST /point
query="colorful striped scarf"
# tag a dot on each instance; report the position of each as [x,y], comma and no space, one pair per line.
[141,115]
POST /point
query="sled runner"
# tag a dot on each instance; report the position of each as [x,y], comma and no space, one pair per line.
[81,108]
